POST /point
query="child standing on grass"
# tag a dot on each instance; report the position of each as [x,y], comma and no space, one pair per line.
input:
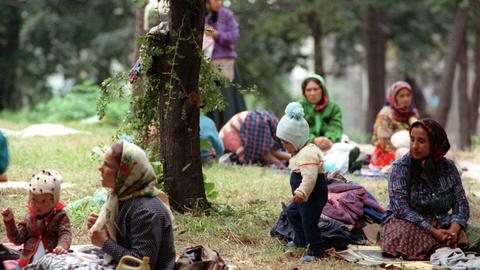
[46,227]
[308,183]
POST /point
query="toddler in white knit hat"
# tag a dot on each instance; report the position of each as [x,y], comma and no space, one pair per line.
[46,218]
[307,181]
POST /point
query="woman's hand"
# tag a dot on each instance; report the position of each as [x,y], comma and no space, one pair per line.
[98,238]
[441,235]
[7,214]
[59,250]
[92,218]
[454,231]
[323,143]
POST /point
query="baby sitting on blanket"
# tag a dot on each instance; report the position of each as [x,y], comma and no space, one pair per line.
[46,227]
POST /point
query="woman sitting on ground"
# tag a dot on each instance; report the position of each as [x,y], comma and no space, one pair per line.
[397,115]
[323,116]
[134,221]
[423,188]
[250,137]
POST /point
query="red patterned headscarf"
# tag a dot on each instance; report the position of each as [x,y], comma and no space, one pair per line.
[439,143]
[400,113]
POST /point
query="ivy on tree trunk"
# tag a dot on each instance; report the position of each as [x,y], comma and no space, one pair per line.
[175,75]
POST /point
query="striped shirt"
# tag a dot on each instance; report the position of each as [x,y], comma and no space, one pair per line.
[414,203]
[144,228]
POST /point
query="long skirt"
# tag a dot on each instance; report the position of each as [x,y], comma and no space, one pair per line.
[400,238]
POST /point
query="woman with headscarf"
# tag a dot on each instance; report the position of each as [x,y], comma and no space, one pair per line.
[428,207]
[397,115]
[133,221]
[323,115]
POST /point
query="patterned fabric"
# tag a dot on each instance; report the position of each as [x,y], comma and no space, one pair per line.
[53,230]
[47,182]
[413,202]
[67,261]
[437,136]
[400,238]
[144,228]
[226,66]
[400,113]
[135,178]
[385,126]
[258,135]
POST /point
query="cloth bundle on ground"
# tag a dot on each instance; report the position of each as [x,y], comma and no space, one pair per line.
[88,259]
[335,233]
[454,259]
[346,203]
[200,258]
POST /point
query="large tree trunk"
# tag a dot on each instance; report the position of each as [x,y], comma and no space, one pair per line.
[315,26]
[375,31]
[454,44]
[11,19]
[476,85]
[418,97]
[177,70]
[139,29]
[463,100]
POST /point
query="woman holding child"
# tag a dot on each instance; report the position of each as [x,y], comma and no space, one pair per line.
[428,207]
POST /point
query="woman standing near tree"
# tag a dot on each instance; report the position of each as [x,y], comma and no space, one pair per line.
[220,24]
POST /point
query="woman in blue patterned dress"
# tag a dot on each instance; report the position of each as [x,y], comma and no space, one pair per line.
[428,207]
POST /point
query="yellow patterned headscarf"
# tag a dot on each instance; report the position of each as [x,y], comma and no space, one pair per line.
[135,178]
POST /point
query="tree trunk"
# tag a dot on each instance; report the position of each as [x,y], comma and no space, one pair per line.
[476,85]
[9,41]
[175,74]
[454,44]
[463,101]
[315,26]
[139,29]
[375,33]
[418,97]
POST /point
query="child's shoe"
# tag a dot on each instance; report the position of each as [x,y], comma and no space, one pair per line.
[309,258]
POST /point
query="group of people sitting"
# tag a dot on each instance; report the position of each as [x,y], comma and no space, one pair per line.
[249,136]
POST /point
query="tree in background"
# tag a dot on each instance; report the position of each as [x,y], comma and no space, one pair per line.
[75,38]
[10,22]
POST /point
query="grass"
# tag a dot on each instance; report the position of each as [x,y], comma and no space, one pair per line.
[237,226]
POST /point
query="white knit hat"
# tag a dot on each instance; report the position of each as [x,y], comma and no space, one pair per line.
[47,182]
[293,128]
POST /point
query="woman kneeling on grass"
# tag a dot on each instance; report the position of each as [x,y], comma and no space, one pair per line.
[133,221]
[428,208]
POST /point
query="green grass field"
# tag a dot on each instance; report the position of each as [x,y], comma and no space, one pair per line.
[237,226]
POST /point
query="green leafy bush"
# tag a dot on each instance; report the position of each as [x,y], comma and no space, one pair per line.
[78,104]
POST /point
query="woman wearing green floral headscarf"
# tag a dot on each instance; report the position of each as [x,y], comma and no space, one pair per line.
[133,221]
[323,116]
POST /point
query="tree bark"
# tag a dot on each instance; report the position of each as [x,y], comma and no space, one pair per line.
[463,100]
[454,44]
[10,17]
[476,85]
[375,33]
[315,26]
[177,70]
[418,97]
